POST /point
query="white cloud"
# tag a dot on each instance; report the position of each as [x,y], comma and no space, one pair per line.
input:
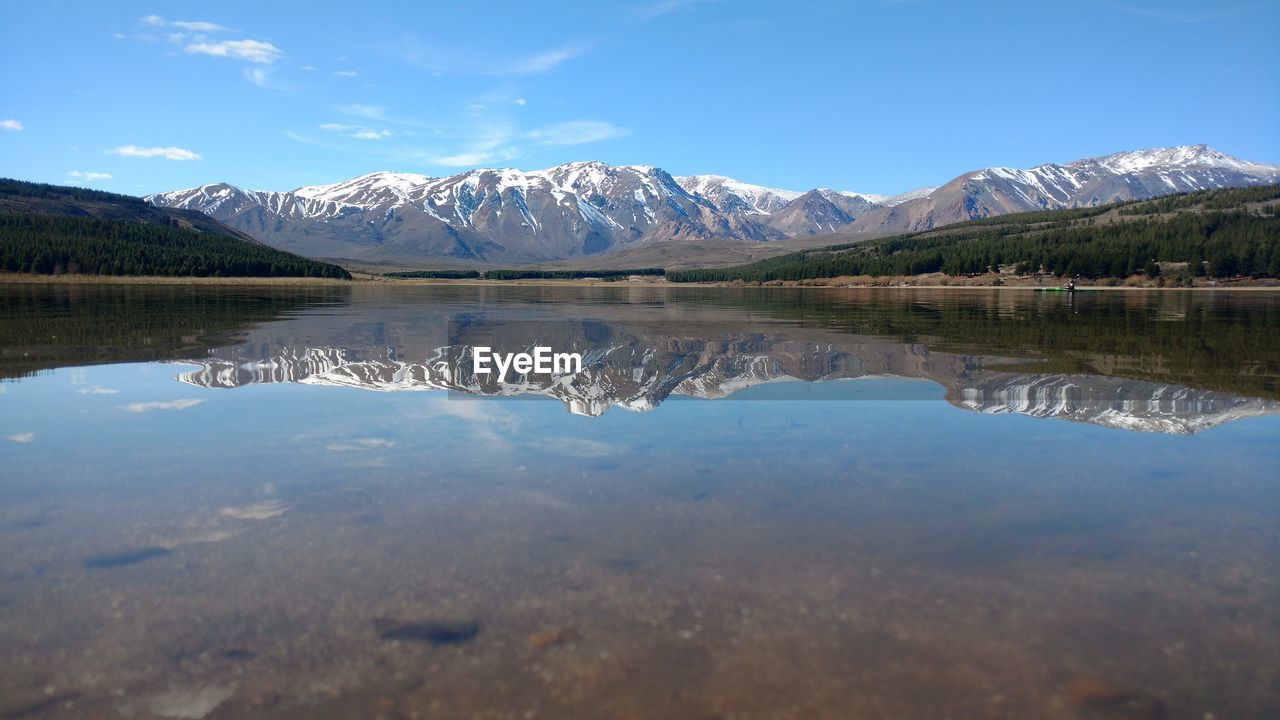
[521,102]
[21,437]
[346,74]
[359,132]
[168,153]
[374,112]
[198,26]
[576,132]
[169,405]
[11,124]
[97,390]
[308,68]
[89,176]
[254,51]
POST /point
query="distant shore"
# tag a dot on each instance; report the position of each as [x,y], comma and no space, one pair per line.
[887,283]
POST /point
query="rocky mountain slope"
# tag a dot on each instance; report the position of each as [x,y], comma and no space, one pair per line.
[589,209]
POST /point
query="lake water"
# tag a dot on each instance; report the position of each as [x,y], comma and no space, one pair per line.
[760,503]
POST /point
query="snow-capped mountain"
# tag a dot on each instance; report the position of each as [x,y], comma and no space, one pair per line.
[490,214]
[731,195]
[1093,181]
[589,208]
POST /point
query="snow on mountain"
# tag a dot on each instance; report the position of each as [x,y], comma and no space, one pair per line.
[369,190]
[590,208]
[909,195]
[727,193]
[1089,182]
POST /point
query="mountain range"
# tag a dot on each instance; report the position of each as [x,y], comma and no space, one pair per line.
[590,210]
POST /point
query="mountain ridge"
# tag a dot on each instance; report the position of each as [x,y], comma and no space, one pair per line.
[585,209]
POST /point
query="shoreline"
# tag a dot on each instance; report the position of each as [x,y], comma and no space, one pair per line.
[362,279]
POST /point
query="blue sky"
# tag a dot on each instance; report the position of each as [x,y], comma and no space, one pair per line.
[877,96]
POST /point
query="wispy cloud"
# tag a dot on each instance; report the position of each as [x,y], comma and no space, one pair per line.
[373,112]
[487,144]
[542,62]
[86,176]
[1172,15]
[476,157]
[346,74]
[97,390]
[23,438]
[359,132]
[254,51]
[11,125]
[664,7]
[444,60]
[166,405]
[258,76]
[576,132]
[520,101]
[199,26]
[168,153]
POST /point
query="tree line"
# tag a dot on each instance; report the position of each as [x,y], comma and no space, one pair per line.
[54,244]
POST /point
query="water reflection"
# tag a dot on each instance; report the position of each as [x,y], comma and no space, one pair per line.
[638,353]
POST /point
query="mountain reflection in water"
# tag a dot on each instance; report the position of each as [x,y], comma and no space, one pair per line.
[638,353]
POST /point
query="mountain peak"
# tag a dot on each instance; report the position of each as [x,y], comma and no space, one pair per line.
[1176,157]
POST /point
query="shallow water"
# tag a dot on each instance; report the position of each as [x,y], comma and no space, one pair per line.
[256,502]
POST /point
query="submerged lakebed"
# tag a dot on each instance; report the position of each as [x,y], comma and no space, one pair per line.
[294,502]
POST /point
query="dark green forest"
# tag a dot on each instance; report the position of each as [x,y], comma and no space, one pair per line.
[1212,232]
[50,230]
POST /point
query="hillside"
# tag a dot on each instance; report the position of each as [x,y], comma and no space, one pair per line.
[1221,233]
[49,229]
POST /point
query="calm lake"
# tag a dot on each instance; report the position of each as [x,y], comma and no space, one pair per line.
[251,502]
